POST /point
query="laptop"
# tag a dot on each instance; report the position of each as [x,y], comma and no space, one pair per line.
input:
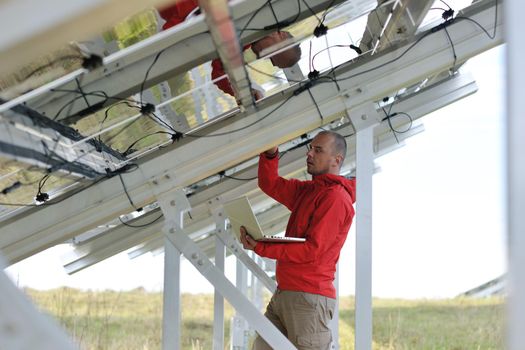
[240,213]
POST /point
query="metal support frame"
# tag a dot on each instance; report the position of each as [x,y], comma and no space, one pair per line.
[180,239]
[432,55]
[122,238]
[173,207]
[334,324]
[515,173]
[363,248]
[220,255]
[224,37]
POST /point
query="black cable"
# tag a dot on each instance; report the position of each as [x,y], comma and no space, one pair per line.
[326,11]
[383,64]
[246,126]
[351,46]
[274,15]
[106,115]
[42,196]
[480,26]
[52,201]
[147,73]
[161,122]
[251,19]
[127,194]
[278,25]
[240,179]
[130,147]
[453,48]
[99,93]
[79,87]
[312,12]
[446,4]
[316,105]
[272,75]
[95,93]
[50,64]
[395,131]
[140,226]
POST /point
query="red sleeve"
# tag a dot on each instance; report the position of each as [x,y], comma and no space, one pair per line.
[177,12]
[282,190]
[218,71]
[322,234]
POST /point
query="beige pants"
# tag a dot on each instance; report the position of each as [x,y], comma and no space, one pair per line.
[302,317]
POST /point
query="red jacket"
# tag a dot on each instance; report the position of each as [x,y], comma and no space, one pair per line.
[176,14]
[322,212]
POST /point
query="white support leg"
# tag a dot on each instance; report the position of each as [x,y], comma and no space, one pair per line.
[256,319]
[334,325]
[173,203]
[171,311]
[257,291]
[515,172]
[22,326]
[363,293]
[239,334]
[218,299]
[173,207]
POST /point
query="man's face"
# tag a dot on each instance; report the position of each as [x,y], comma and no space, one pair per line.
[321,157]
[283,59]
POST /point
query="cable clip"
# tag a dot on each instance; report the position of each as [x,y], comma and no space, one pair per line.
[320,30]
[92,62]
[176,136]
[148,108]
[42,197]
[447,14]
[313,75]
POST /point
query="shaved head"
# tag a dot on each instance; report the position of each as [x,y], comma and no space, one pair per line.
[339,143]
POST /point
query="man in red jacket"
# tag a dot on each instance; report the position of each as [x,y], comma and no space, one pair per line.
[322,212]
[178,12]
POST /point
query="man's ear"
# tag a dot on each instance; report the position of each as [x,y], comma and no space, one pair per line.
[339,160]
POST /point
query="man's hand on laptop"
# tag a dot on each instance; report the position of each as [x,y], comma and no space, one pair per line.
[247,241]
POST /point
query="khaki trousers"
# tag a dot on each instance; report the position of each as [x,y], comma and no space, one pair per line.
[302,317]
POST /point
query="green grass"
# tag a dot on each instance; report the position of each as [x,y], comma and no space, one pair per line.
[133,320]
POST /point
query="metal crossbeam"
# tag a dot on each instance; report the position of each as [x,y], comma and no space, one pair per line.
[426,101]
[224,36]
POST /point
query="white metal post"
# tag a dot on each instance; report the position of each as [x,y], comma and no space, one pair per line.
[218,299]
[22,326]
[171,310]
[515,172]
[334,324]
[173,208]
[173,203]
[239,326]
[198,258]
[363,293]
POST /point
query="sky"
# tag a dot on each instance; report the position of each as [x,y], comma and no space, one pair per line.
[438,212]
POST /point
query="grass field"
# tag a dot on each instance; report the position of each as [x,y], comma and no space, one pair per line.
[133,320]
